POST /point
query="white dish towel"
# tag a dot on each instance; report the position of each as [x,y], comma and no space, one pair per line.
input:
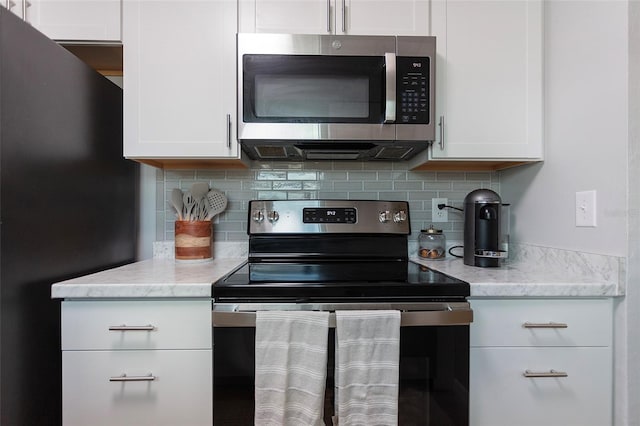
[291,368]
[367,367]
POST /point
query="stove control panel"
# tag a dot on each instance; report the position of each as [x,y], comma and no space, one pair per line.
[328,216]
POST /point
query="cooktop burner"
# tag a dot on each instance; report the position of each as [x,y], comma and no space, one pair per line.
[335,280]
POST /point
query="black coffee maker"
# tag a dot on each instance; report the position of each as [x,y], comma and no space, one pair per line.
[484,239]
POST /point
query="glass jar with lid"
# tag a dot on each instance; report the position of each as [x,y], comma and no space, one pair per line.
[432,244]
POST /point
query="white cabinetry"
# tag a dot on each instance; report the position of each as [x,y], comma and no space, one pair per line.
[489,83]
[137,363]
[180,80]
[361,17]
[541,362]
[72,20]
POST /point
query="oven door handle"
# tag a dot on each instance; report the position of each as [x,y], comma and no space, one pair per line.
[407,319]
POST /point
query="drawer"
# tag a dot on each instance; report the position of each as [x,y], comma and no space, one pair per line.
[500,394]
[115,325]
[179,394]
[536,322]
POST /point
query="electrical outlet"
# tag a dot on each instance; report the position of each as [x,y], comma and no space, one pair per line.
[438,215]
[586,208]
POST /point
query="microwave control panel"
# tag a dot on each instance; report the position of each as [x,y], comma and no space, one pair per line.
[412,90]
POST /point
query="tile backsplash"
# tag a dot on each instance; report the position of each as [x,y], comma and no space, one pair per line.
[327,180]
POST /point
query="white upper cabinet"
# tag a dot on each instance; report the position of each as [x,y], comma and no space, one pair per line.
[286,16]
[72,20]
[383,17]
[13,6]
[180,79]
[360,17]
[489,80]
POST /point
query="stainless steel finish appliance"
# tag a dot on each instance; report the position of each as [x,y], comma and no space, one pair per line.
[332,255]
[332,97]
[483,229]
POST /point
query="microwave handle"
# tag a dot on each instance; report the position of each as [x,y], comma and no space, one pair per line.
[390,92]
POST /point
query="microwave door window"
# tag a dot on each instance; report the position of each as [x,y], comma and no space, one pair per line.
[313,89]
[312,96]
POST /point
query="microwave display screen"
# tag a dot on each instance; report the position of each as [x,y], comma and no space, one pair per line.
[332,96]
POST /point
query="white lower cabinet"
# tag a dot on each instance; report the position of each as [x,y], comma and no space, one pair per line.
[169,388]
[537,362]
[137,363]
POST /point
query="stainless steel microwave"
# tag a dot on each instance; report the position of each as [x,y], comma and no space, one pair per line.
[326,97]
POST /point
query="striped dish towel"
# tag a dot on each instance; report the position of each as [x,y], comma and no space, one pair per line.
[291,368]
[367,367]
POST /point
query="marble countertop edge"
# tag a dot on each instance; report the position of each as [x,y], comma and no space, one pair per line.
[94,291]
[519,280]
[147,279]
[563,275]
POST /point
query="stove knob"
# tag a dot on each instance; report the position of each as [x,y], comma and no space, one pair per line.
[400,216]
[385,216]
[257,216]
[273,216]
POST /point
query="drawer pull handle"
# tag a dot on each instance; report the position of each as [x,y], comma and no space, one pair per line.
[132,328]
[125,378]
[544,325]
[550,373]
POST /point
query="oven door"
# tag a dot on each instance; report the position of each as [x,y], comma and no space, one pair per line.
[434,361]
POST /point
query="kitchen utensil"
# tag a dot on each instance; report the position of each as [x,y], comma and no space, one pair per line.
[176,201]
[217,203]
[189,204]
[199,190]
[201,209]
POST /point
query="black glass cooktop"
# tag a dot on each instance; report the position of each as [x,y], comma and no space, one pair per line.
[396,280]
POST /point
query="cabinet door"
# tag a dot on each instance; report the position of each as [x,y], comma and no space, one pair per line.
[95,20]
[541,322]
[14,6]
[500,394]
[287,16]
[128,324]
[179,84]
[489,79]
[383,17]
[179,394]
[359,17]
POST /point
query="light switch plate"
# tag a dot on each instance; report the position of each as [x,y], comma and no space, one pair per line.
[586,208]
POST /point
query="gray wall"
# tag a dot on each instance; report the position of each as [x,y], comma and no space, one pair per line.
[586,84]
[348,180]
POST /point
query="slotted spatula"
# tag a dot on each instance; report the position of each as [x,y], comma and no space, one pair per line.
[217,203]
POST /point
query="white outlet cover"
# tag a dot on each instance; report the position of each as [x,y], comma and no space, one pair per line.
[438,215]
[586,208]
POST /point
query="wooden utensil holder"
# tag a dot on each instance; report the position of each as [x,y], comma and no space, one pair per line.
[193,240]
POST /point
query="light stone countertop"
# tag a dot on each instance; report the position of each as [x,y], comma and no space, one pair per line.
[149,278]
[522,279]
[533,272]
